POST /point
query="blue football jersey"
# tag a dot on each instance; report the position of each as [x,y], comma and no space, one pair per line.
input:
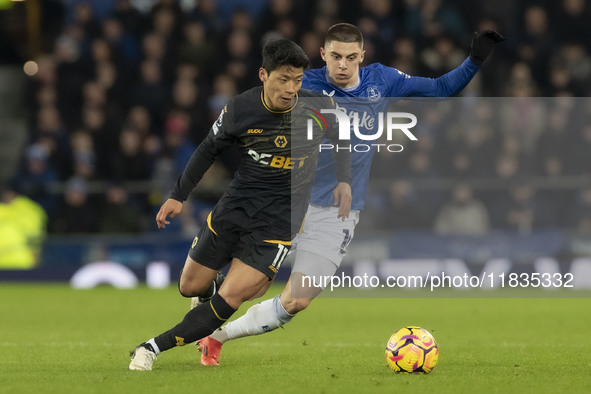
[376,82]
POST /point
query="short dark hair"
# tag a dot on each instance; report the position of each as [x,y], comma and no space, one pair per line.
[344,32]
[283,52]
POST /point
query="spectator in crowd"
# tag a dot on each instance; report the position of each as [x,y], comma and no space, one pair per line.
[579,156]
[177,145]
[196,49]
[83,156]
[443,55]
[401,210]
[76,213]
[463,214]
[579,217]
[139,119]
[131,18]
[36,175]
[52,135]
[536,42]
[206,12]
[553,145]
[572,21]
[129,162]
[118,214]
[23,225]
[238,62]
[431,18]
[522,209]
[152,92]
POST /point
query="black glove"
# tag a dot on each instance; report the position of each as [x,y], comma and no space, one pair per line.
[482,45]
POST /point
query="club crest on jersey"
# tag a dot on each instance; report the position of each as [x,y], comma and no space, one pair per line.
[373,93]
[280,141]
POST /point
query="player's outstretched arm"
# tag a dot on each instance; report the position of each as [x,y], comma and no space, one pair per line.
[170,208]
[342,199]
[454,81]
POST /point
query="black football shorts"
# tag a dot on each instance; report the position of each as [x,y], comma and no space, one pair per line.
[232,233]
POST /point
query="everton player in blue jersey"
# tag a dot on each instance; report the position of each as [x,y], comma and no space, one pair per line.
[321,246]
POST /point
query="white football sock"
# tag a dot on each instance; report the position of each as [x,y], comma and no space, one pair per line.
[260,318]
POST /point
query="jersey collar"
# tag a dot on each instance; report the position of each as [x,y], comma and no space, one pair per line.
[349,89]
[297,97]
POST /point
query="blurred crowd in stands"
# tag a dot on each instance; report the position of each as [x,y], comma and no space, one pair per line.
[127,89]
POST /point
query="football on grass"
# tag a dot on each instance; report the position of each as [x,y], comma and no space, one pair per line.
[412,350]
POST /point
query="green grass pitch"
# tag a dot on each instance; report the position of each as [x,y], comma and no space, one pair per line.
[57,340]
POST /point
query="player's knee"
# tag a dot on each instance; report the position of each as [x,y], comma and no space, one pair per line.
[185,289]
[295,305]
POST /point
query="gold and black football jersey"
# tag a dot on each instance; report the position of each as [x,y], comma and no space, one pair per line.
[279,152]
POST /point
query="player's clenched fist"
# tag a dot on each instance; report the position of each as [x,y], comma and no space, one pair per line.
[483,44]
[170,208]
